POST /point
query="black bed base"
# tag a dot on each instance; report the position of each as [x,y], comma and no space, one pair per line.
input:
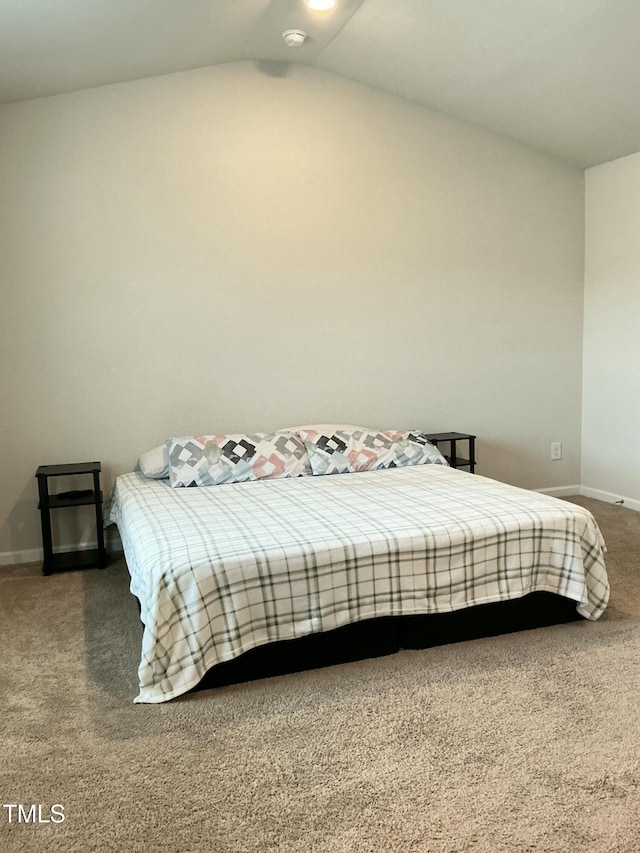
[388,634]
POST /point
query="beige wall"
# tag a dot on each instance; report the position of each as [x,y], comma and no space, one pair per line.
[611,418]
[238,248]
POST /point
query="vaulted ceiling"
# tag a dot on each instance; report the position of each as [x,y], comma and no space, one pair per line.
[560,75]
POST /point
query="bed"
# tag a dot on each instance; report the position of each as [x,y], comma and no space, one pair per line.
[225,572]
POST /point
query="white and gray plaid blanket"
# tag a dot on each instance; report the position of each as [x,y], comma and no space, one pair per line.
[223,569]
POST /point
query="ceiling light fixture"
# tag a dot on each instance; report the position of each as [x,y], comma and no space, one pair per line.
[320,5]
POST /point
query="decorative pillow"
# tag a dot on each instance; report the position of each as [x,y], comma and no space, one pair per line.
[210,460]
[155,463]
[365,450]
[326,429]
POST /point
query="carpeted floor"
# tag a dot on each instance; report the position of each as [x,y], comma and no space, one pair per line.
[527,742]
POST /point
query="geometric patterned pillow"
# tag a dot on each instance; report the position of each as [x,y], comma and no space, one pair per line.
[343,452]
[210,460]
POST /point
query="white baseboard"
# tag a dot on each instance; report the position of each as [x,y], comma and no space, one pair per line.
[561,491]
[596,494]
[12,558]
[610,498]
[35,555]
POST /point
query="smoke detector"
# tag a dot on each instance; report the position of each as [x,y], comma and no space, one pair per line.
[294,38]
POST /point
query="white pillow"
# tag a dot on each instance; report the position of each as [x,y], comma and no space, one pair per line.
[155,463]
[326,428]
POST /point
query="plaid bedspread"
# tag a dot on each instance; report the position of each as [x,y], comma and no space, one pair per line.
[223,569]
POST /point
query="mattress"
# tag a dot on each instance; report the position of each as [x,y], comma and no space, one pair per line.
[220,570]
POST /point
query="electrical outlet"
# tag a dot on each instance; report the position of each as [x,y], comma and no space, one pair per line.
[556,450]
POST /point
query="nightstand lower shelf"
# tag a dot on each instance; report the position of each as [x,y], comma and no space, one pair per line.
[86,559]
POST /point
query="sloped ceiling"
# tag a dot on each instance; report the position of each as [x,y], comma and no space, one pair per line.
[560,75]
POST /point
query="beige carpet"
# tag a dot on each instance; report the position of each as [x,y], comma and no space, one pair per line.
[527,742]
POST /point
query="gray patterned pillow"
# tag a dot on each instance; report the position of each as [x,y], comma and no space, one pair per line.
[211,460]
[345,452]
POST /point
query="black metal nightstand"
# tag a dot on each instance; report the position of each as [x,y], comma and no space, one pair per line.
[450,450]
[79,497]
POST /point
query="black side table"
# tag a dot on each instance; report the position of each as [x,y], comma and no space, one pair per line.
[82,497]
[450,451]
